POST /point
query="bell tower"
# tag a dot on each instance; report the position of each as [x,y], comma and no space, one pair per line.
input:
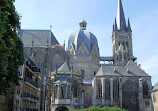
[121,38]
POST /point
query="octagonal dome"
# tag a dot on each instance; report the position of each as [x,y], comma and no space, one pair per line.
[78,37]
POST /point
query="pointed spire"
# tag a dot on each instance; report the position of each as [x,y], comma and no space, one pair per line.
[121,22]
[129,25]
[115,25]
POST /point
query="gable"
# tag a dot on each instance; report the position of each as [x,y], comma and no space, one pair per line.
[94,51]
[83,49]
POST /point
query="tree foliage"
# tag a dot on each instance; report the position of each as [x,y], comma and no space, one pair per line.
[94,108]
[11,46]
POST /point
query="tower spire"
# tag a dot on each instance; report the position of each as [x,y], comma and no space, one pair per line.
[121,22]
[129,25]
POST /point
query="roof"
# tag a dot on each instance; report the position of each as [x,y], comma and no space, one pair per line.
[131,69]
[78,37]
[87,81]
[38,38]
[155,88]
[64,69]
[112,58]
[106,58]
[120,19]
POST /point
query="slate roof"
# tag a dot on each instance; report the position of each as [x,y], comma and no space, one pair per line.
[38,38]
[131,69]
[85,36]
[64,69]
[155,88]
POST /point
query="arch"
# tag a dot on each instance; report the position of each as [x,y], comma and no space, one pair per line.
[75,88]
[99,89]
[107,89]
[63,90]
[61,108]
[130,96]
[56,91]
[115,90]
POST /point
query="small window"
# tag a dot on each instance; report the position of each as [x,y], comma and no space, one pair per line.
[94,73]
[147,103]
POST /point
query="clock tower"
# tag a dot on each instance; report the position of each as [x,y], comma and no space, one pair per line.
[122,39]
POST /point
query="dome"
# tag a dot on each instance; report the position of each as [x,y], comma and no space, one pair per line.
[83,21]
[83,35]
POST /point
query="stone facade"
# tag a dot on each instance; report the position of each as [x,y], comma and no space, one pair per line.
[26,95]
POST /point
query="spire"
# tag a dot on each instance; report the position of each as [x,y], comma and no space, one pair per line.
[121,23]
[115,25]
[129,25]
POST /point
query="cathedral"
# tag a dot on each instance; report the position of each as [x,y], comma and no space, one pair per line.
[75,78]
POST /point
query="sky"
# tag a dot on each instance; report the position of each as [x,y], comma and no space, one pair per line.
[65,15]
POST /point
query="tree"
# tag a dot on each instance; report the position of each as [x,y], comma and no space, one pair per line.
[94,108]
[11,46]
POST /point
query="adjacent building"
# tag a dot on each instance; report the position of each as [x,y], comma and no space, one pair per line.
[43,47]
[154,95]
[26,95]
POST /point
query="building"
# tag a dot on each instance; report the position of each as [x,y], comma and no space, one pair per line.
[26,95]
[154,95]
[75,79]
[46,51]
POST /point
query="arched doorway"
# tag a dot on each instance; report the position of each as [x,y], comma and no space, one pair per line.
[61,108]
[130,96]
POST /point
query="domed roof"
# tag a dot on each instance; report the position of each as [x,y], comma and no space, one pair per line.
[83,21]
[83,35]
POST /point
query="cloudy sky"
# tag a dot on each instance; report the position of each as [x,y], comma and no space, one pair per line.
[64,16]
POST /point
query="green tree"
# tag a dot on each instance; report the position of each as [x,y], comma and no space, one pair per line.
[11,46]
[94,108]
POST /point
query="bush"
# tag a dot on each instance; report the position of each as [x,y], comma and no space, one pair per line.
[94,108]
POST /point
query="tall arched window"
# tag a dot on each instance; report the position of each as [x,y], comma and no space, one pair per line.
[68,91]
[115,90]
[99,89]
[145,88]
[56,91]
[107,89]
[63,91]
[75,89]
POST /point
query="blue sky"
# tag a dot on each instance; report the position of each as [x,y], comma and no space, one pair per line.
[64,16]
